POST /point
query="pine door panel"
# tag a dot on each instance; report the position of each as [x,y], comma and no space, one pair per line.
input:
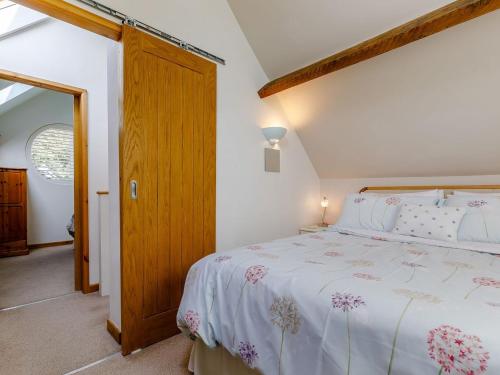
[168,114]
[149,184]
[168,147]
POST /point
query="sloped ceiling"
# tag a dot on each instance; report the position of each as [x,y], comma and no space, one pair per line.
[427,109]
[288,35]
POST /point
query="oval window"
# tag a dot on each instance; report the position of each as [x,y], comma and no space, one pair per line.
[50,151]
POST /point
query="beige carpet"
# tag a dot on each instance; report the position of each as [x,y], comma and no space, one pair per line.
[44,273]
[169,357]
[61,335]
[55,337]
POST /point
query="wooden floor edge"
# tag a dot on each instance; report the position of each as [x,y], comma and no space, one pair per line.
[114,331]
[49,244]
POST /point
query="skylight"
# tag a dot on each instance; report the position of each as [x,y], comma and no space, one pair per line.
[10,92]
[5,4]
[14,18]
[15,94]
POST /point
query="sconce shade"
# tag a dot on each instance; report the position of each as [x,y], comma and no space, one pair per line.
[274,134]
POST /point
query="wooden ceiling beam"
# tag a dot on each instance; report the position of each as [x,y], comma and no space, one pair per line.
[441,19]
[75,15]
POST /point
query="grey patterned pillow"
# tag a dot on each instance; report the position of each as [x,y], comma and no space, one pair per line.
[437,223]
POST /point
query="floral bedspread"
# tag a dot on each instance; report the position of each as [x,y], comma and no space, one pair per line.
[334,303]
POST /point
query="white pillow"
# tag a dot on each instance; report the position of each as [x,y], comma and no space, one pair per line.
[481,222]
[426,193]
[376,212]
[438,223]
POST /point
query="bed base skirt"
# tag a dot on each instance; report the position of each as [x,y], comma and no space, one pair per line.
[216,361]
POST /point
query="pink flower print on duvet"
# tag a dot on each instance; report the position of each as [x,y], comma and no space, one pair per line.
[222,259]
[255,273]
[366,276]
[347,302]
[286,316]
[478,204]
[355,263]
[483,281]
[456,352]
[417,252]
[412,251]
[391,201]
[192,321]
[316,237]
[456,266]
[414,267]
[248,353]
[358,202]
[252,275]
[268,256]
[333,254]
[412,295]
[360,263]
[254,247]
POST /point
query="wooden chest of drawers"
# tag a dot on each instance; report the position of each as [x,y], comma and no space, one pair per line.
[13,212]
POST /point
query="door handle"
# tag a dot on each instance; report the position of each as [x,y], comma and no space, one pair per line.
[133,189]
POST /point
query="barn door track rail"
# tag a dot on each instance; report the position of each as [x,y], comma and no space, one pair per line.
[152,30]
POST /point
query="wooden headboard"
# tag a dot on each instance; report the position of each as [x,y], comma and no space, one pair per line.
[447,188]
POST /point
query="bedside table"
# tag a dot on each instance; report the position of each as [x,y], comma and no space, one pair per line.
[312,229]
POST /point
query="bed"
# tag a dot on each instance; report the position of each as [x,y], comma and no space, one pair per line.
[346,301]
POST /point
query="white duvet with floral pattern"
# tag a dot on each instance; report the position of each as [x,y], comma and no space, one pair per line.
[360,303]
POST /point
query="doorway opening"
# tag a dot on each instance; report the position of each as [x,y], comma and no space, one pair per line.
[56,153]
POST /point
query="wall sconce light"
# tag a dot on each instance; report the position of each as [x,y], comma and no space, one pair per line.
[274,134]
[324,204]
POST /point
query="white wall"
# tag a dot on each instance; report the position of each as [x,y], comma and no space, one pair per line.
[115,100]
[252,205]
[50,205]
[429,108]
[337,189]
[66,54]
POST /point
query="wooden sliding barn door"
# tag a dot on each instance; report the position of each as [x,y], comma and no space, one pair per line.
[167,163]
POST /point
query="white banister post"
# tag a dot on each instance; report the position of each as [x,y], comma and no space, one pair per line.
[104,255]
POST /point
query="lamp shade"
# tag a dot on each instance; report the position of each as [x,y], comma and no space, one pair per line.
[324,202]
[274,134]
